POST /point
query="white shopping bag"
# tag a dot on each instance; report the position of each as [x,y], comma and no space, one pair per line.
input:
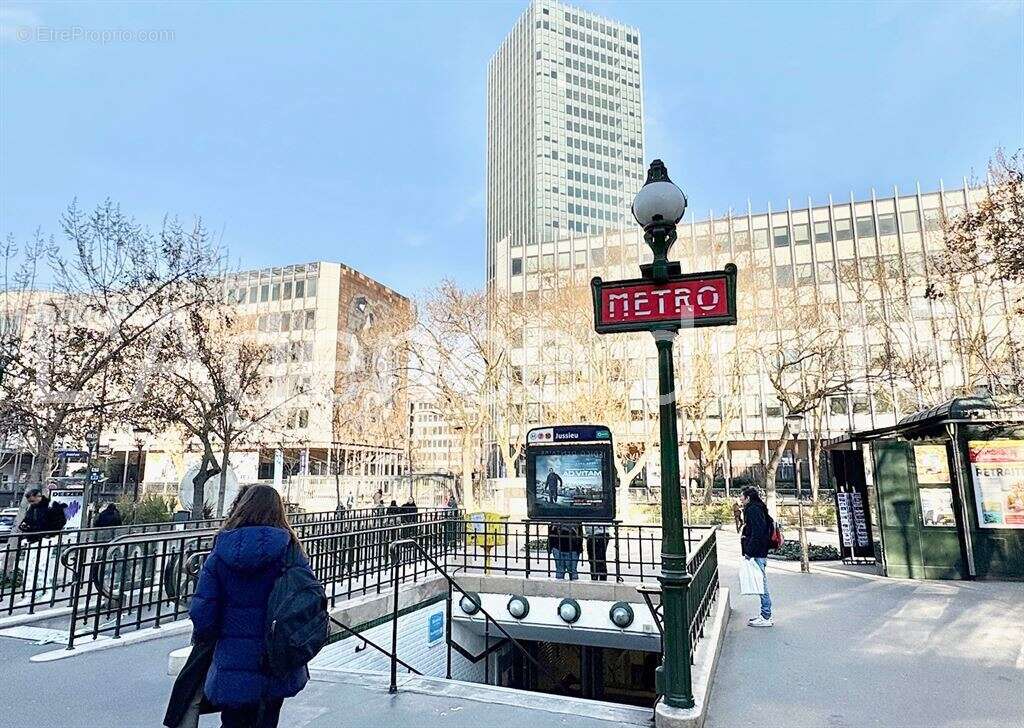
[751,577]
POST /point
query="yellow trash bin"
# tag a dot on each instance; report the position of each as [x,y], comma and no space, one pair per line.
[486,530]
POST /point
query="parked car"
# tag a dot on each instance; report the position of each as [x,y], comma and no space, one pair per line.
[7,516]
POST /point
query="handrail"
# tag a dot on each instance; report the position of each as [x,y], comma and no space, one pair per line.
[374,645]
[395,547]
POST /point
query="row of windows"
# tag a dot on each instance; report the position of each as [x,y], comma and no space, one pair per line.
[265,292]
[596,25]
[287,321]
[592,179]
[292,352]
[584,145]
[594,116]
[592,195]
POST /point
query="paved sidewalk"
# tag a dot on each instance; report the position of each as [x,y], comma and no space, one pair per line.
[851,649]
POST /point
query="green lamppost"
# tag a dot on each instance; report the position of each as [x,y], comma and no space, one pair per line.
[658,206]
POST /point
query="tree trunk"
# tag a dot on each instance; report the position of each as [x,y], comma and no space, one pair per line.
[199,481]
[222,488]
[772,469]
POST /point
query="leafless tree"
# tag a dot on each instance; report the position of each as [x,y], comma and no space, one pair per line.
[78,314]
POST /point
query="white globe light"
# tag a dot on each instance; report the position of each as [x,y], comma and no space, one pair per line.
[469,605]
[569,611]
[518,607]
[659,202]
[622,616]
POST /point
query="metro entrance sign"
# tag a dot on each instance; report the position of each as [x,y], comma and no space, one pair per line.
[662,301]
[684,300]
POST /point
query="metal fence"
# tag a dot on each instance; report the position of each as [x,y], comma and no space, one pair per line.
[33,574]
[114,583]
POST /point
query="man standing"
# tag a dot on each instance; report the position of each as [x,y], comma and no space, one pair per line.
[41,516]
[754,543]
[597,550]
[554,482]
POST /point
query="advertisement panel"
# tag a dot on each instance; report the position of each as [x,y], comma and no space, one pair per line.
[932,464]
[570,473]
[74,506]
[997,469]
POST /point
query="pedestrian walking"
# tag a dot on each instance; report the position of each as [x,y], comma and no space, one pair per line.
[252,550]
[597,550]
[755,541]
[565,540]
[42,517]
[737,514]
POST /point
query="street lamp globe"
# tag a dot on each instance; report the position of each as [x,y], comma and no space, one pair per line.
[796,423]
[659,201]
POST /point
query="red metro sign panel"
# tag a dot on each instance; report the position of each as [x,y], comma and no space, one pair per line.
[688,300]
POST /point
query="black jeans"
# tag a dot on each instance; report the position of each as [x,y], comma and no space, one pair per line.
[249,716]
[597,552]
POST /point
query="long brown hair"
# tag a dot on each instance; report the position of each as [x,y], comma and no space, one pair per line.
[258,505]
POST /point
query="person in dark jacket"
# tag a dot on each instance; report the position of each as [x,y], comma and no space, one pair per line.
[566,543]
[42,517]
[230,607]
[754,543]
[109,517]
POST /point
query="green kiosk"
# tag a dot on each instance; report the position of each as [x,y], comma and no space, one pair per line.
[946,491]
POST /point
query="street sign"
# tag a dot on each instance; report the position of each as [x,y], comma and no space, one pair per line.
[684,300]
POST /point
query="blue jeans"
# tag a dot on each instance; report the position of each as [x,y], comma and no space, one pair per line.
[766,600]
[565,563]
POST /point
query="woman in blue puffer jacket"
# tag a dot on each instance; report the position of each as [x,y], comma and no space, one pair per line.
[230,608]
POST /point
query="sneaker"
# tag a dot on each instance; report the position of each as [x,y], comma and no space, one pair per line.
[761,622]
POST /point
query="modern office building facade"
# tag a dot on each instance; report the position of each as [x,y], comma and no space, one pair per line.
[564,130]
[872,258]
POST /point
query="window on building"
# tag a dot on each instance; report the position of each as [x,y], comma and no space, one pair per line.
[564,261]
[311,287]
[532,264]
[597,256]
[310,318]
[264,293]
[865,227]
[760,239]
[801,234]
[781,236]
[844,231]
[822,231]
[517,266]
[286,322]
[784,275]
[909,221]
[860,404]
[887,223]
[581,258]
[932,220]
[300,289]
[837,405]
[287,291]
[805,273]
[252,294]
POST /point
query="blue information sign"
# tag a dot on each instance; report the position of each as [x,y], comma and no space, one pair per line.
[435,628]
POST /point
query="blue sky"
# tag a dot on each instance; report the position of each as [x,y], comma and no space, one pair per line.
[356,131]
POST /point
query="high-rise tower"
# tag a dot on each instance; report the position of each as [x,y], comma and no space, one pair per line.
[564,132]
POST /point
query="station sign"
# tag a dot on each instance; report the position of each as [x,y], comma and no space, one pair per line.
[684,300]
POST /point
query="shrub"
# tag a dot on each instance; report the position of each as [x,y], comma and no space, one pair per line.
[150,509]
[790,551]
[11,580]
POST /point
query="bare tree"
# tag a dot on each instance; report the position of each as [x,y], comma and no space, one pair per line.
[805,360]
[709,398]
[80,313]
[975,281]
[597,382]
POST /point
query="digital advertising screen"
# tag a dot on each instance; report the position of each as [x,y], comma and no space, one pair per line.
[570,480]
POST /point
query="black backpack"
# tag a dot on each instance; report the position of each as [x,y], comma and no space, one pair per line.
[297,621]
